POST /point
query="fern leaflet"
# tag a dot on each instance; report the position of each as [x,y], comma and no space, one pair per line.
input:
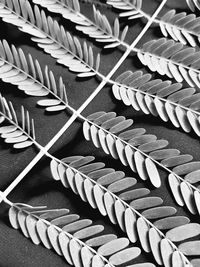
[193,4]
[20,134]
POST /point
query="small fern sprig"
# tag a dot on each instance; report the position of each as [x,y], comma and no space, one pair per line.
[101,29]
[62,231]
[19,133]
[51,37]
[160,98]
[143,153]
[102,188]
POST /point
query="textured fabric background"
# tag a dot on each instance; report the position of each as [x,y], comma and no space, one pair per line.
[38,188]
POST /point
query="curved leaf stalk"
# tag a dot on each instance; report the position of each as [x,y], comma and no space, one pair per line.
[116,198]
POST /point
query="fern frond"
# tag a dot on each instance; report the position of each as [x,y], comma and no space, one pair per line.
[144,154]
[101,30]
[172,59]
[19,133]
[114,195]
[62,231]
[51,37]
[25,72]
[160,98]
[193,4]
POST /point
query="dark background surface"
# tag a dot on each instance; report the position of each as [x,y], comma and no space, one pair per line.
[38,188]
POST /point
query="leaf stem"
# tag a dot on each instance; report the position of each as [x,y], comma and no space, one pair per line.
[4,198]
